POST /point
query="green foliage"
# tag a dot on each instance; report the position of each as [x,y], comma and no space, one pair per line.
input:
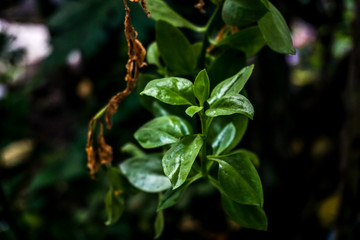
[162,131]
[145,173]
[173,90]
[160,11]
[179,159]
[275,31]
[174,49]
[249,40]
[242,12]
[246,215]
[183,93]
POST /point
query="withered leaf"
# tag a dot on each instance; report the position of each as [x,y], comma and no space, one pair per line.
[136,52]
[104,151]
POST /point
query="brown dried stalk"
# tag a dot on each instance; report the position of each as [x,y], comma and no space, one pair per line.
[136,53]
[200,6]
[218,37]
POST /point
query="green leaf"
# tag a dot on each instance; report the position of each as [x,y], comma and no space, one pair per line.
[223,139]
[153,55]
[247,216]
[115,178]
[172,196]
[232,85]
[146,173]
[239,179]
[225,65]
[162,131]
[132,150]
[231,104]
[175,49]
[242,12]
[158,110]
[248,40]
[276,32]
[202,87]
[243,153]
[219,123]
[159,224]
[114,205]
[161,11]
[172,90]
[196,48]
[143,80]
[192,110]
[178,160]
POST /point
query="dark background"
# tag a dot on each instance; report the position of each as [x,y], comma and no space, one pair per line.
[306,129]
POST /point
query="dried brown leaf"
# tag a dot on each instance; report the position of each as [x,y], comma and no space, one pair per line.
[92,164]
[104,151]
[136,53]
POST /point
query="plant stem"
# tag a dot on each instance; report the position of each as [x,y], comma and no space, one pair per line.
[205,41]
[204,129]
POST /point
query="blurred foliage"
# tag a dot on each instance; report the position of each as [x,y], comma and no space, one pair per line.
[300,130]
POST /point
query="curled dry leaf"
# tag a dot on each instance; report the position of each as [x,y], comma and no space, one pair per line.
[136,52]
[103,153]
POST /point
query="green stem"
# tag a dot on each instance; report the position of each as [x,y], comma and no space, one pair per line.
[205,42]
[204,129]
[98,115]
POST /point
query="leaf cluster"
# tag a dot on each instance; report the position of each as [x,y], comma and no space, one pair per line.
[201,110]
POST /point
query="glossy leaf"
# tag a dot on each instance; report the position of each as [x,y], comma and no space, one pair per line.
[114,205]
[231,104]
[146,173]
[249,40]
[247,216]
[159,224]
[161,11]
[143,80]
[276,32]
[192,110]
[223,139]
[242,12]
[243,153]
[202,87]
[178,160]
[226,65]
[219,123]
[175,49]
[162,131]
[172,90]
[232,85]
[153,55]
[239,179]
